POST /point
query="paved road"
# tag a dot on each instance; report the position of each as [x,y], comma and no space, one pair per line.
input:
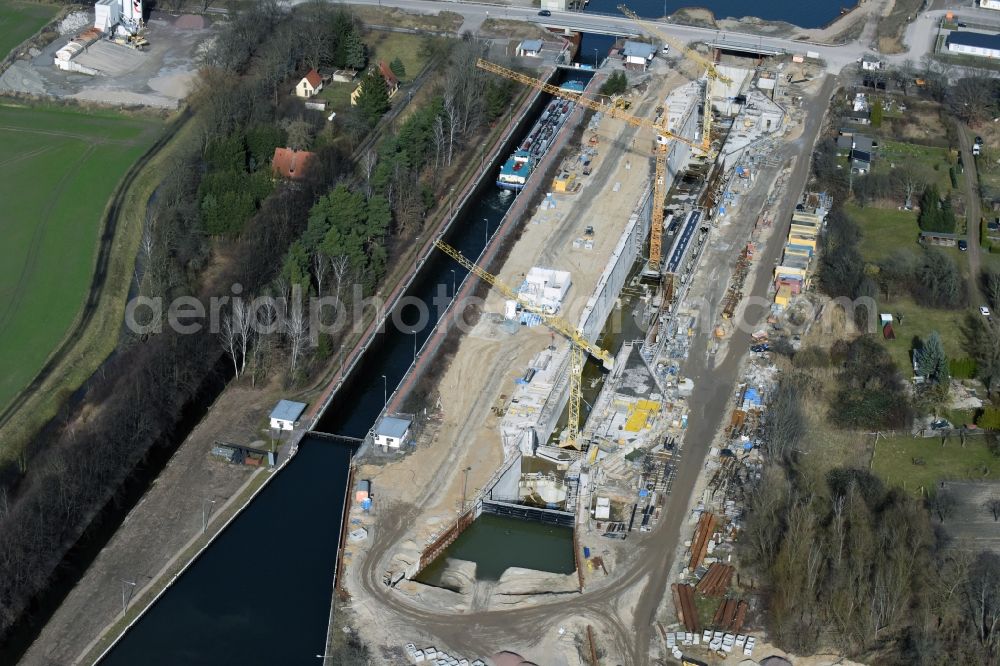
[919,35]
[972,212]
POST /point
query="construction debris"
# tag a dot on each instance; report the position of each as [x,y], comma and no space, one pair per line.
[716,581]
[687,612]
[702,533]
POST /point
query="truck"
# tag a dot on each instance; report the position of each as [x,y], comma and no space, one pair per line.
[812,54]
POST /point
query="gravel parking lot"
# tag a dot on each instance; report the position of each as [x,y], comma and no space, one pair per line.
[160,76]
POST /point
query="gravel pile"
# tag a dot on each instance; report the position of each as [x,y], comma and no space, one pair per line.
[75,22]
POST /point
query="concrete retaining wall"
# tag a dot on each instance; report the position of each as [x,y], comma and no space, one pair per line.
[630,244]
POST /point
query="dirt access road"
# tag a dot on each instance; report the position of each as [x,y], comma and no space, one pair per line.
[608,607]
[973,214]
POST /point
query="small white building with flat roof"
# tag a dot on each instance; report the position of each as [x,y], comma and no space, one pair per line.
[392,432]
[531,48]
[286,414]
[638,53]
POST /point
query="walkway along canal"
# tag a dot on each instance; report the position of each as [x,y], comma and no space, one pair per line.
[260,594]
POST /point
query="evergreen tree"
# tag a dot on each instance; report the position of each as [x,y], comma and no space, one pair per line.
[373,101]
[398,68]
[498,94]
[343,215]
[355,53]
[930,209]
[932,361]
[616,84]
[261,142]
[296,268]
[947,215]
[379,217]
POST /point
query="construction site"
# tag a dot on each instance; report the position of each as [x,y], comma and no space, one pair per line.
[115,54]
[567,403]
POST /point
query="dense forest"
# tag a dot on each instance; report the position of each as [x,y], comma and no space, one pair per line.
[849,563]
[222,219]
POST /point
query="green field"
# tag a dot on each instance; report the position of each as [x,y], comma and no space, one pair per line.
[388,46]
[20,20]
[58,169]
[934,160]
[920,462]
[884,231]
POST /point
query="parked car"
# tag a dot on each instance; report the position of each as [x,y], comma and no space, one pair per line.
[545,12]
[983,310]
[940,424]
[979,140]
[963,246]
[760,348]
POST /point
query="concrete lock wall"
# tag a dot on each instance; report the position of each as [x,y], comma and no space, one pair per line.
[506,486]
[602,302]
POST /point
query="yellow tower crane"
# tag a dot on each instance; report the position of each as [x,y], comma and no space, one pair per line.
[663,138]
[694,56]
[580,347]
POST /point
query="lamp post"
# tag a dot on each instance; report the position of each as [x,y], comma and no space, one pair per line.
[454,291]
[128,586]
[385,391]
[414,331]
[465,484]
[486,221]
[596,64]
[204,513]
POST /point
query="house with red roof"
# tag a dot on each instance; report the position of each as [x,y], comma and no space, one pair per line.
[291,164]
[391,82]
[309,85]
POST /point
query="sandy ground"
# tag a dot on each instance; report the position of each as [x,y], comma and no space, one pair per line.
[160,76]
[165,519]
[466,434]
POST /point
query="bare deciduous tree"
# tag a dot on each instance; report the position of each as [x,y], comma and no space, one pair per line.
[910,178]
[321,265]
[368,162]
[943,504]
[439,142]
[993,506]
[972,99]
[243,322]
[451,112]
[297,335]
[339,265]
[229,341]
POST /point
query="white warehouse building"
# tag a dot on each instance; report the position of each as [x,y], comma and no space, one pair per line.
[974,43]
[990,4]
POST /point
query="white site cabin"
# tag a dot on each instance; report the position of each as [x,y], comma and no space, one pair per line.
[286,414]
[392,432]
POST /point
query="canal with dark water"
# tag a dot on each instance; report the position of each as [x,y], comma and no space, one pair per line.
[260,594]
[803,14]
